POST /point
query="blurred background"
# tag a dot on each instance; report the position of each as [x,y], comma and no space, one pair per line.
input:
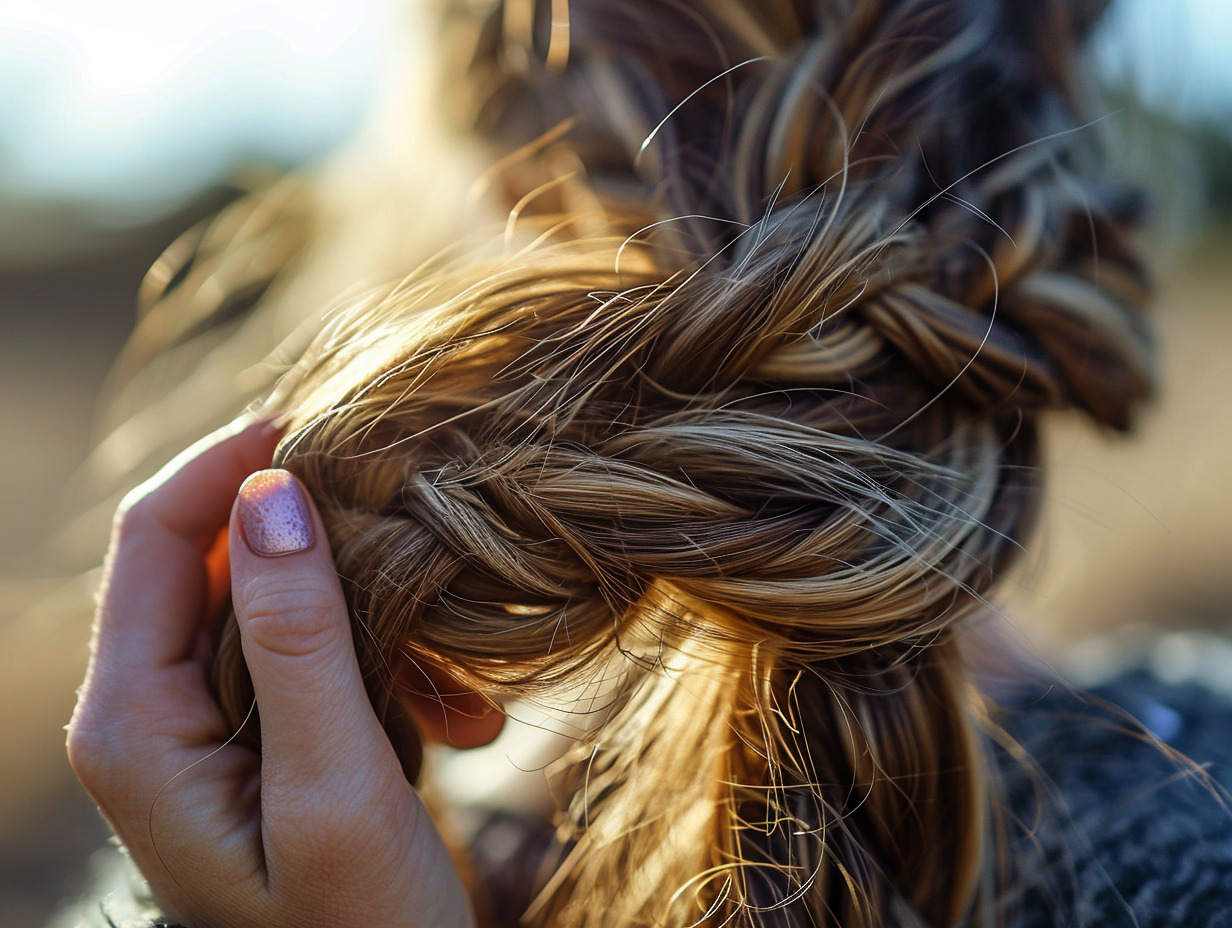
[126,123]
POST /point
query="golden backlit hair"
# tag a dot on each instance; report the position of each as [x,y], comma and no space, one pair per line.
[743,421]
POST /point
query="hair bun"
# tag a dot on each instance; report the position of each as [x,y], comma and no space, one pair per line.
[754,447]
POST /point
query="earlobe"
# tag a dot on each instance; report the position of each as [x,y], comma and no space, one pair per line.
[445,711]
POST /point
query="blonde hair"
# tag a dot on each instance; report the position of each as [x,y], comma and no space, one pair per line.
[747,415]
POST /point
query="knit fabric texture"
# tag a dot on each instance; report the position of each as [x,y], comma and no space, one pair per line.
[1133,825]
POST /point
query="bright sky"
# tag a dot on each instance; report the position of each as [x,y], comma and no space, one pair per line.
[1178,52]
[133,104]
[142,101]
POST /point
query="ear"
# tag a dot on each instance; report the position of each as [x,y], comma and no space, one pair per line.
[445,711]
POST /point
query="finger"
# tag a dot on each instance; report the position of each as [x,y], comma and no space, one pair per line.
[192,495]
[156,582]
[338,817]
[143,711]
[316,721]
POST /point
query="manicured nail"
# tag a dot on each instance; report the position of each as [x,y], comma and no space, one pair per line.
[274,515]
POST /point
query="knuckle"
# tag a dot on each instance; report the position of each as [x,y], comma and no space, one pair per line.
[292,619]
[132,513]
[133,519]
[83,751]
[92,748]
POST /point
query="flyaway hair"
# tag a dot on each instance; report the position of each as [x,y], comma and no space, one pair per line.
[744,419]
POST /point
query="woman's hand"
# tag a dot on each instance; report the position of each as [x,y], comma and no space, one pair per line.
[322,828]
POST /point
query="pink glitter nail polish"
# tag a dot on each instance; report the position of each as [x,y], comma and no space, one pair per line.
[274,515]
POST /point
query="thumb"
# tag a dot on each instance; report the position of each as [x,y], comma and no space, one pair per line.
[341,828]
[296,636]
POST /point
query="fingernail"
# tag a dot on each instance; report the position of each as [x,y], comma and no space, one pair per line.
[274,515]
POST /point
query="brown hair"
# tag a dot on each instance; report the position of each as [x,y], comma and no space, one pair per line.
[745,416]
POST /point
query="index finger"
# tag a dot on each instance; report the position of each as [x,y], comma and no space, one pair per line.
[154,586]
[191,496]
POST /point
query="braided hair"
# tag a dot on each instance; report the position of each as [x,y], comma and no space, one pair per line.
[745,419]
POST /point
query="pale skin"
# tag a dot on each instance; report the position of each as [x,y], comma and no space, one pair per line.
[320,829]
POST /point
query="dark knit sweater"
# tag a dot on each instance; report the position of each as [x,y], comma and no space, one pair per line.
[1138,836]
[1115,827]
